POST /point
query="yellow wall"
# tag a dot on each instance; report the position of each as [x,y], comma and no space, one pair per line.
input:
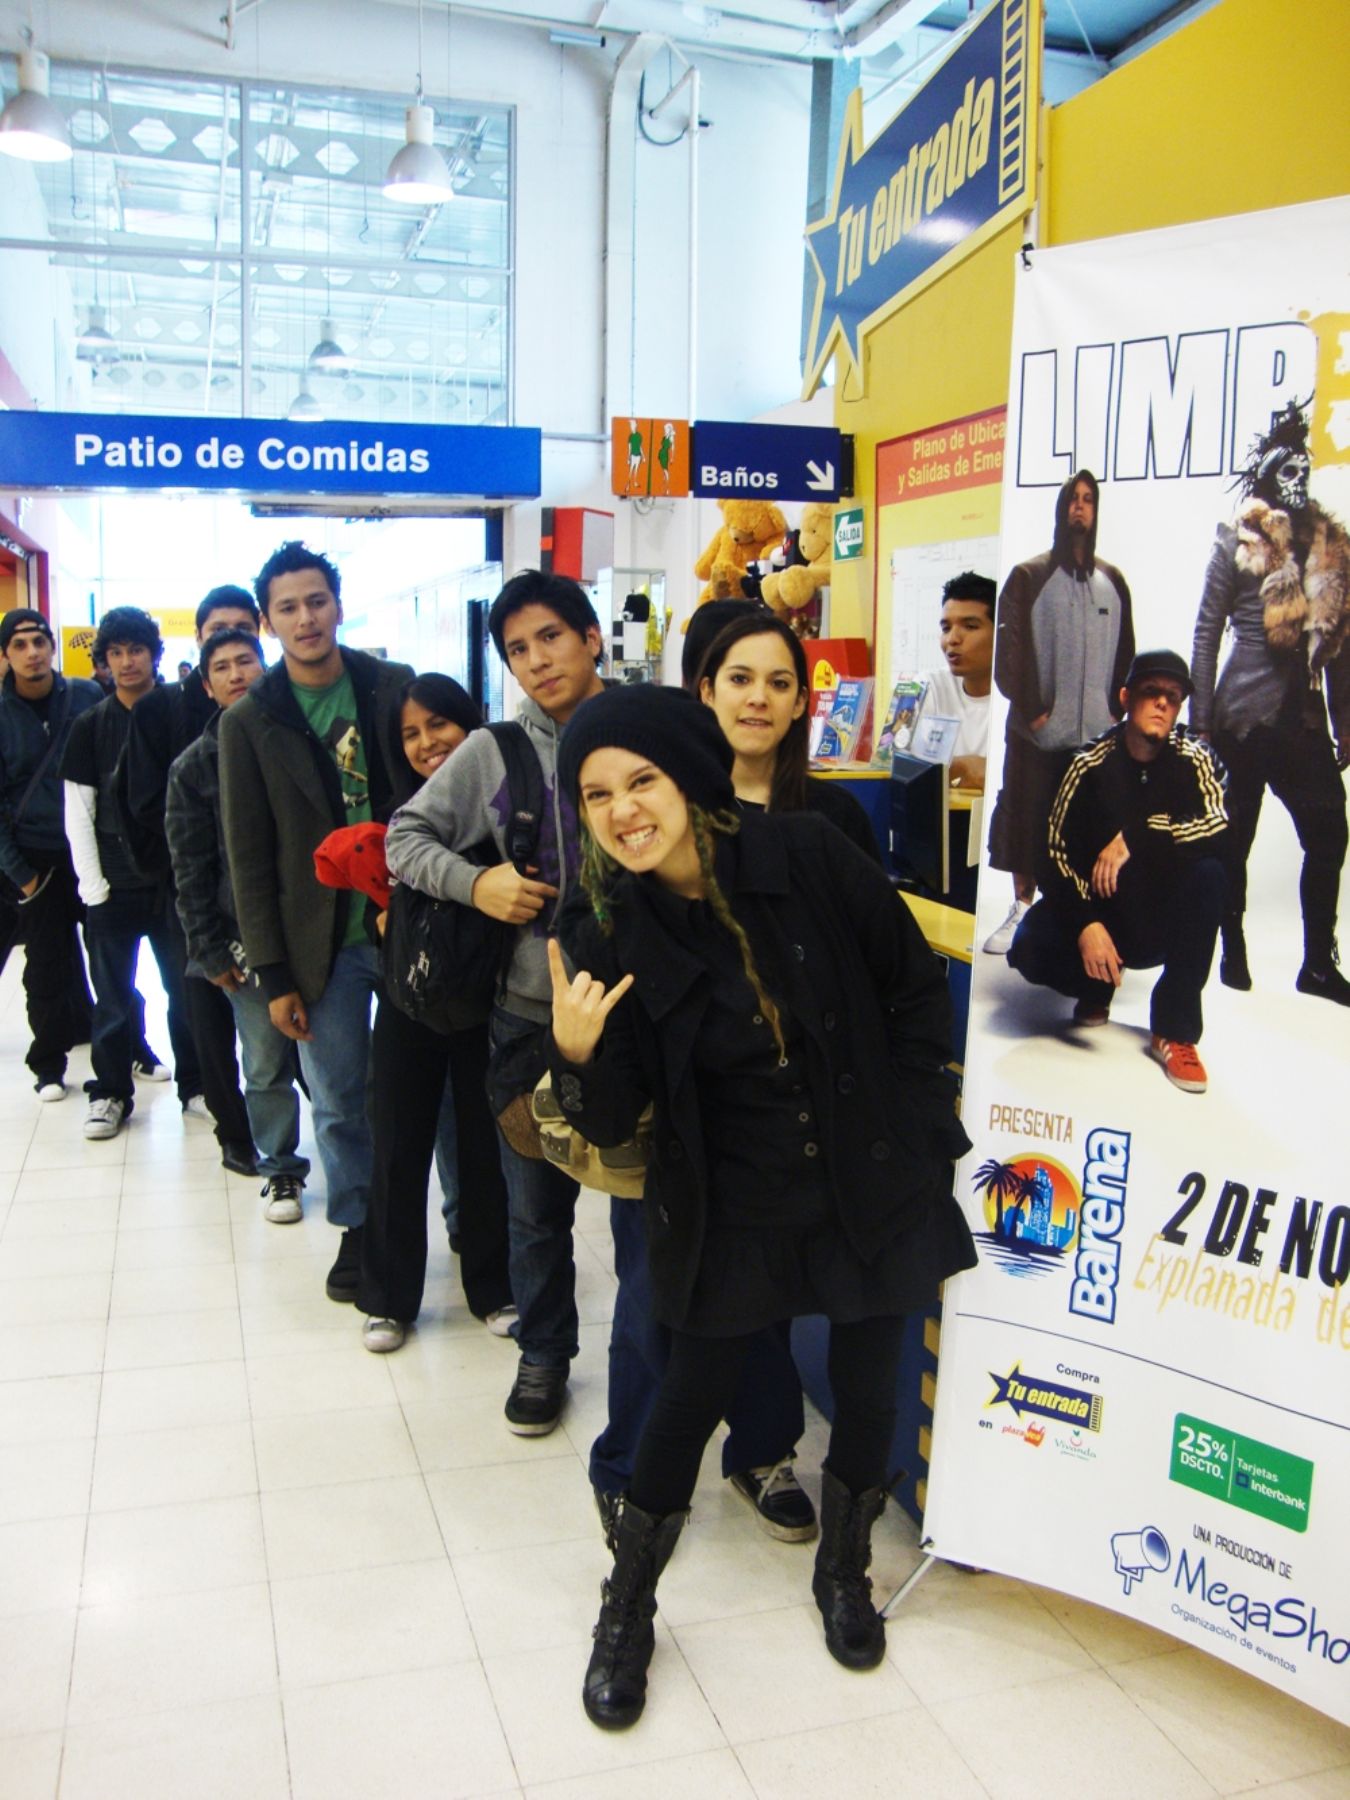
[1242,110]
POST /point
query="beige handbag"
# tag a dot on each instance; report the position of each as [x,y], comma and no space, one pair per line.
[621,1170]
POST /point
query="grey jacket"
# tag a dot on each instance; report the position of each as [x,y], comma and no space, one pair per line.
[466,801]
[1259,684]
[280,797]
[1064,640]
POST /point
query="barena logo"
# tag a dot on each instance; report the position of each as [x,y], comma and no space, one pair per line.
[1096,1267]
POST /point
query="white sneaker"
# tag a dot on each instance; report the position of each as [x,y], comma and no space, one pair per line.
[499,1323]
[999,942]
[104,1118]
[152,1071]
[380,1336]
[195,1107]
[49,1092]
[282,1194]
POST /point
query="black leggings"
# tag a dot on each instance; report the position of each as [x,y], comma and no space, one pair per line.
[700,1383]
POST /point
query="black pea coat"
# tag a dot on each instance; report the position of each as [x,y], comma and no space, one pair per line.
[868,993]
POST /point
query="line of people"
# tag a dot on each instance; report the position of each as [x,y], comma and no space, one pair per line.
[786,1020]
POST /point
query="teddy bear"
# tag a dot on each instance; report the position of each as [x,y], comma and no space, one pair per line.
[748,531]
[794,591]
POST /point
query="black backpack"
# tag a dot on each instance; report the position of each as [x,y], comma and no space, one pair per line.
[443,962]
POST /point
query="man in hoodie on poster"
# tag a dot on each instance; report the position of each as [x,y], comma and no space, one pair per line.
[546,632]
[1064,640]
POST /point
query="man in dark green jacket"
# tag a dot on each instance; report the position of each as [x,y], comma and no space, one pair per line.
[310,748]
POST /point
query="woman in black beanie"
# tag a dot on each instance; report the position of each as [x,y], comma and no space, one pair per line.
[756,979]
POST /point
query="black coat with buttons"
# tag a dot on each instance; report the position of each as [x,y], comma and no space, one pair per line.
[867,992]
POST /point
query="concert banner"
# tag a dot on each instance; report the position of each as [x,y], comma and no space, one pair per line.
[1144,1388]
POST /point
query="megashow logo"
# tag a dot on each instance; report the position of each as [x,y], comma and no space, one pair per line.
[1275,1629]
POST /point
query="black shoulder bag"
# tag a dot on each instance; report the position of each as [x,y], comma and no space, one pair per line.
[443,961]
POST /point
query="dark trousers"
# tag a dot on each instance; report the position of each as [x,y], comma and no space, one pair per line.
[701,1380]
[411,1065]
[211,1021]
[1299,768]
[60,1007]
[113,933]
[1019,827]
[765,1412]
[1175,926]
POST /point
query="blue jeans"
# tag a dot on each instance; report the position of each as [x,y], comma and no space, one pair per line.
[542,1205]
[269,1084]
[112,934]
[336,1063]
[765,1413]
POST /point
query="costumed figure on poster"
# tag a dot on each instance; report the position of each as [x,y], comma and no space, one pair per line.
[1280,577]
[1135,877]
[1064,640]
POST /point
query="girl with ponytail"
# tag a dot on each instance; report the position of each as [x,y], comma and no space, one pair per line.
[752,976]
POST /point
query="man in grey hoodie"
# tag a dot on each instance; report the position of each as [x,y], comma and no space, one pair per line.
[546,632]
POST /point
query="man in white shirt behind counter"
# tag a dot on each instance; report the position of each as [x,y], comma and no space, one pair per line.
[960,689]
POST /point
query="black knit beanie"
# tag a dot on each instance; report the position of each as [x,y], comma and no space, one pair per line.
[678,734]
[21,618]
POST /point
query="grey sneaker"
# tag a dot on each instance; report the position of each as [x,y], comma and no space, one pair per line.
[781,1507]
[499,1323]
[104,1118]
[282,1194]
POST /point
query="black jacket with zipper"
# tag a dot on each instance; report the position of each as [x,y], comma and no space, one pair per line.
[871,999]
[280,797]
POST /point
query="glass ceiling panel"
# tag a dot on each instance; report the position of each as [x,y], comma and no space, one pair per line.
[173,179]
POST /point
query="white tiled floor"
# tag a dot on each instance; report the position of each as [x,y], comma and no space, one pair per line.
[240,1558]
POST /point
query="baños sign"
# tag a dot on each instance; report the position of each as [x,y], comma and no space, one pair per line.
[953,167]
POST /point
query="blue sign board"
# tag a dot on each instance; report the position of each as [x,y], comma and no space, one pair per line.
[953,166]
[768,462]
[270,456]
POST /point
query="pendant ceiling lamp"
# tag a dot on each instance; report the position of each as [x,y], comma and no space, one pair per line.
[419,175]
[96,343]
[304,409]
[328,357]
[33,126]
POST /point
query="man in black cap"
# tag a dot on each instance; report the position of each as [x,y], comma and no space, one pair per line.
[1135,877]
[37,708]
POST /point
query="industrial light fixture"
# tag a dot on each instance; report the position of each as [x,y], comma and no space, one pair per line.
[419,175]
[328,357]
[304,409]
[33,126]
[96,343]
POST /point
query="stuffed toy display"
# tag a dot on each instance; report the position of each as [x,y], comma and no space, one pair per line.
[794,590]
[748,531]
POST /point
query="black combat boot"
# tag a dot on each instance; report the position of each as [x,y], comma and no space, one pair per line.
[855,1633]
[615,1690]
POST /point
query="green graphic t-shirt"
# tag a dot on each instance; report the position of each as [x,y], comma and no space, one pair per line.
[331,715]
